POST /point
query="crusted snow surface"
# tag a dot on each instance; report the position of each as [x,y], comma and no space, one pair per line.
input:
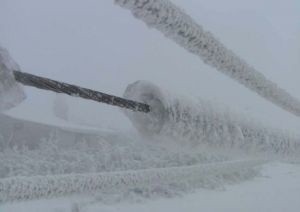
[11,93]
[193,121]
[178,26]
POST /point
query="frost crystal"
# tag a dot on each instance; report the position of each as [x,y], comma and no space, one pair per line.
[11,92]
[24,188]
[199,122]
[181,28]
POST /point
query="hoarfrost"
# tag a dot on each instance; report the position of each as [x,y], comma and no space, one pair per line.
[23,188]
[181,28]
[11,93]
[195,121]
[119,165]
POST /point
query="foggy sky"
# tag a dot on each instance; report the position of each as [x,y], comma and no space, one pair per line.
[96,44]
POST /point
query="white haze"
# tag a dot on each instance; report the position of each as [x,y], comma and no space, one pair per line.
[99,45]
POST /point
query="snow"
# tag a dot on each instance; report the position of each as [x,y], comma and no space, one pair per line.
[166,17]
[11,93]
[276,189]
[187,177]
[195,121]
[121,168]
[126,172]
[117,168]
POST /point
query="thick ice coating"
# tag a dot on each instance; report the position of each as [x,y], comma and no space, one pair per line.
[152,122]
[11,92]
[176,117]
[175,24]
[196,121]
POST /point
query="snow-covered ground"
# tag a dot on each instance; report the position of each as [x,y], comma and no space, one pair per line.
[277,188]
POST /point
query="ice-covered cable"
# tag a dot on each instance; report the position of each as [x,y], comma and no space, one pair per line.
[195,121]
[24,188]
[181,28]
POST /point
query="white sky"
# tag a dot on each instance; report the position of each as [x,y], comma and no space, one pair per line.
[96,44]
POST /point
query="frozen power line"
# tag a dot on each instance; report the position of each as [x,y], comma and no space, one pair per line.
[196,121]
[181,28]
[35,187]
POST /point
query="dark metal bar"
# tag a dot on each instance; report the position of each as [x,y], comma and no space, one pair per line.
[73,90]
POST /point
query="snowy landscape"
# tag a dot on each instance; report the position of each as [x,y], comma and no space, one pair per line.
[208,98]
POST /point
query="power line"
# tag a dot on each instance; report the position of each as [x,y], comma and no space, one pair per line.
[181,28]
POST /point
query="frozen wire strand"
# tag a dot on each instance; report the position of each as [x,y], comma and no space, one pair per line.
[25,188]
[181,28]
[73,90]
[193,121]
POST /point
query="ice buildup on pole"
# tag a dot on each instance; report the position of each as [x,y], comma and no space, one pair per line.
[11,92]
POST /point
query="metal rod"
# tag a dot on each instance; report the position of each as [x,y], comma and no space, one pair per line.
[74,90]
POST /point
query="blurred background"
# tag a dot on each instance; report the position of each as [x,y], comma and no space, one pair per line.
[101,46]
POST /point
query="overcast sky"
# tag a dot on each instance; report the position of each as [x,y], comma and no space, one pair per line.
[96,44]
